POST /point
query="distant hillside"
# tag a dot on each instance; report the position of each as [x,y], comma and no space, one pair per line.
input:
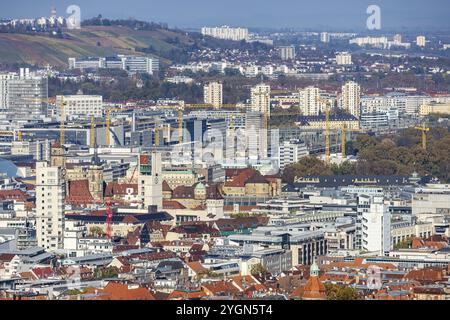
[91,41]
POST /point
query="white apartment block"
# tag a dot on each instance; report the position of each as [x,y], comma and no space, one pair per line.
[311,102]
[375,224]
[213,94]
[291,152]
[325,37]
[286,52]
[50,194]
[344,59]
[406,104]
[351,96]
[421,41]
[80,105]
[260,98]
[226,33]
[23,95]
[370,41]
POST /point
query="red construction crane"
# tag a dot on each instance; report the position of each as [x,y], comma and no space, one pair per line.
[108,218]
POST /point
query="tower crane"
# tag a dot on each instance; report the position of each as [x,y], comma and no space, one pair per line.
[327,128]
[424,130]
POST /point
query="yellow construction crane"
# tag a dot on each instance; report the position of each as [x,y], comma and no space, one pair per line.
[327,128]
[424,130]
[156,136]
[92,131]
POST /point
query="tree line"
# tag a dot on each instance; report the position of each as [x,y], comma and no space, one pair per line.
[400,154]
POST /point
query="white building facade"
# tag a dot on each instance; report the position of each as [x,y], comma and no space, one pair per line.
[50,194]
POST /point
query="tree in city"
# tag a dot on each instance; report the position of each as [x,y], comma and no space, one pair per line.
[340,292]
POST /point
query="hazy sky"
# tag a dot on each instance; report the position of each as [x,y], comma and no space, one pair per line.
[313,14]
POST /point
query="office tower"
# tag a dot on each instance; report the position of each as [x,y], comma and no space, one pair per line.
[256,136]
[351,93]
[80,105]
[421,41]
[213,94]
[4,96]
[344,58]
[286,52]
[309,101]
[150,180]
[23,95]
[227,33]
[136,64]
[291,152]
[373,225]
[260,98]
[324,37]
[50,194]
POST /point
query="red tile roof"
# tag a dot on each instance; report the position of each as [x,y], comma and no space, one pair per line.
[119,291]
[120,189]
[79,193]
[172,204]
[220,288]
[165,186]
[13,195]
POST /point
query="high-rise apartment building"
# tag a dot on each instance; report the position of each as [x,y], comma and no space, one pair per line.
[213,94]
[150,180]
[344,59]
[23,95]
[260,98]
[286,52]
[324,37]
[50,195]
[421,41]
[226,33]
[310,101]
[351,95]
